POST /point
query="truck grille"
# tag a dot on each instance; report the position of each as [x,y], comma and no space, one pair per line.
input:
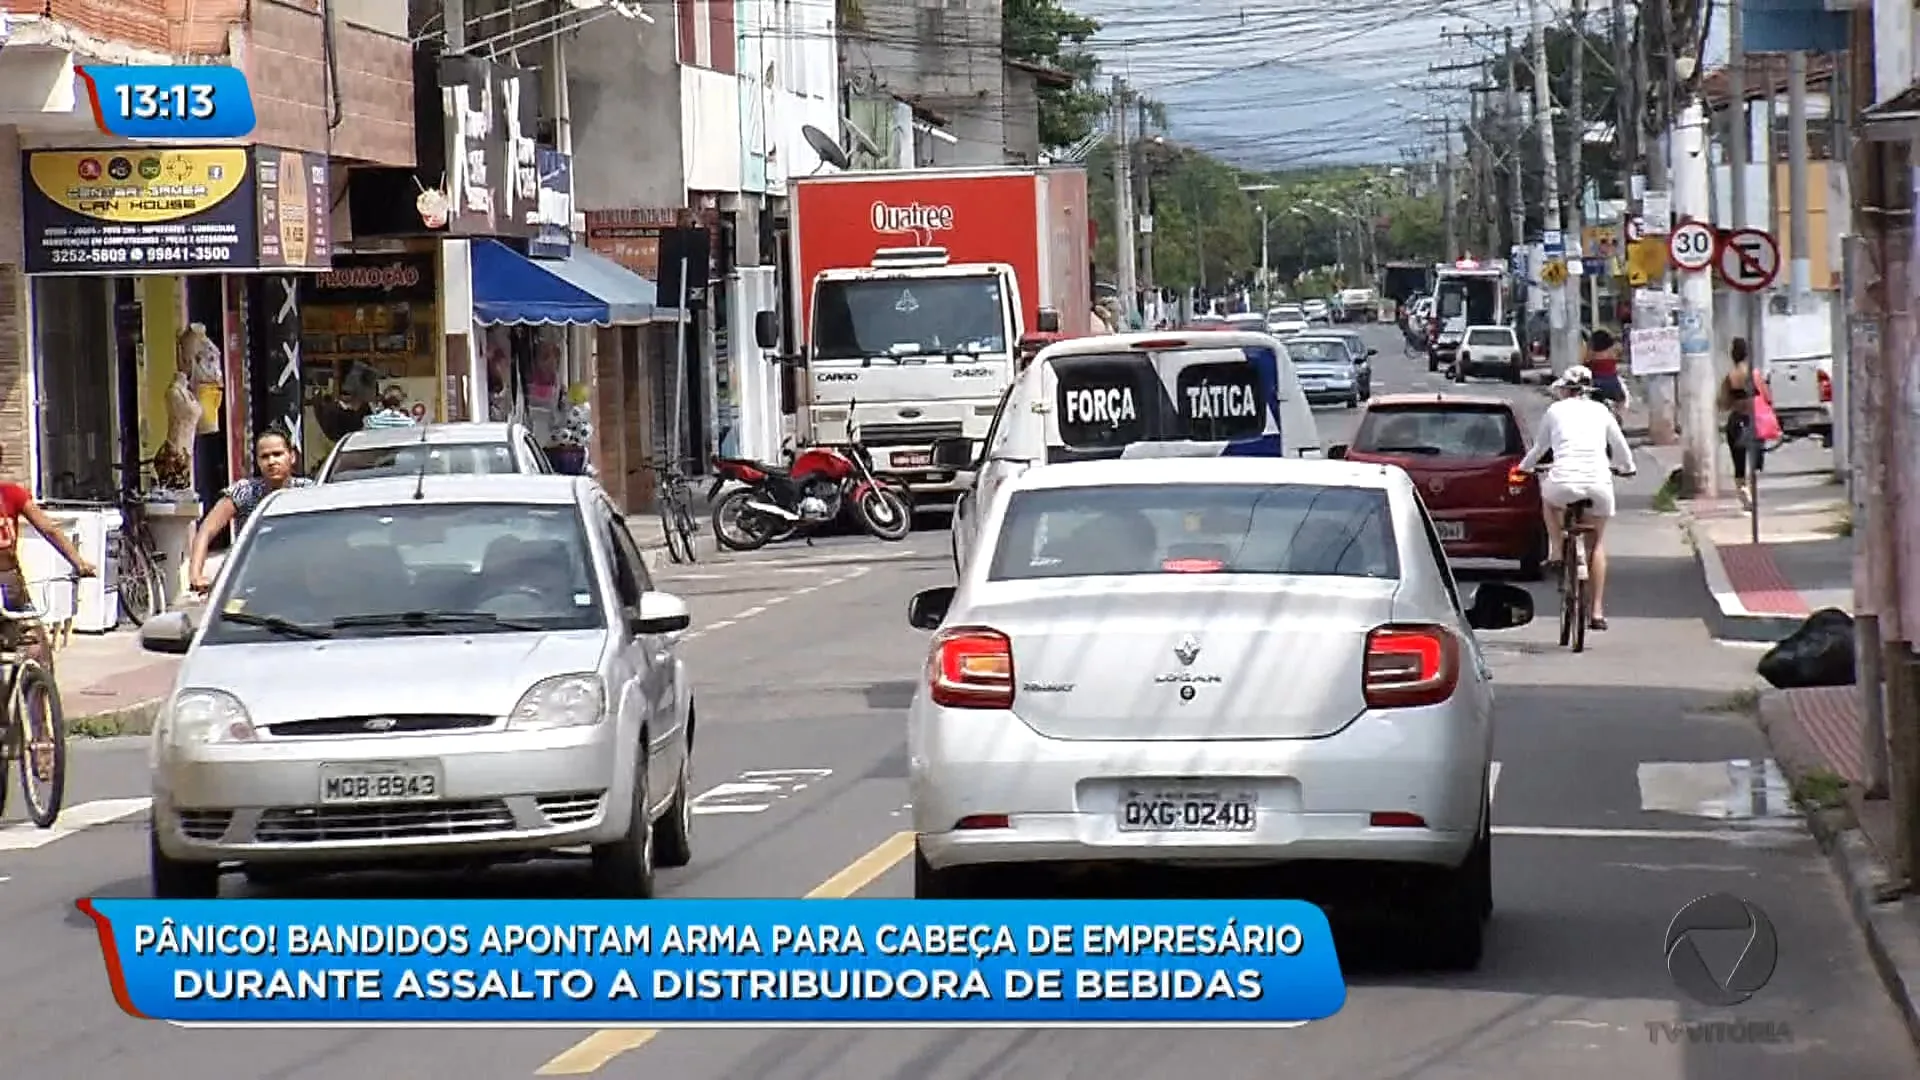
[909,434]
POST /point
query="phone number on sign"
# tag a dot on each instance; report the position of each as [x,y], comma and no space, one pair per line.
[98,256]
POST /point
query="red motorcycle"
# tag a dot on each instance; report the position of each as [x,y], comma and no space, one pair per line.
[811,492]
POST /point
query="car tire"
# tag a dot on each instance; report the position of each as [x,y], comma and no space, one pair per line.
[1353,400]
[177,879]
[623,869]
[1533,565]
[1461,905]
[1433,363]
[1515,374]
[673,833]
[953,883]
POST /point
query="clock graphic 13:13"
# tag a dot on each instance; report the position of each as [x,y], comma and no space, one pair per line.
[186,101]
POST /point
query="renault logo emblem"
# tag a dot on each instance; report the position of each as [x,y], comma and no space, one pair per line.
[1437,485]
[381,723]
[1187,651]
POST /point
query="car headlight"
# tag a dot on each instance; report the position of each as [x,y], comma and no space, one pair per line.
[562,701]
[208,717]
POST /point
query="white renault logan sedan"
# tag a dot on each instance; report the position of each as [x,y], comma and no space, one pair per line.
[438,669]
[1203,661]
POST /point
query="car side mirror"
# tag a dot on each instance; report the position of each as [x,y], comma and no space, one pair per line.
[1373,352]
[928,608]
[1338,451]
[170,632]
[1500,606]
[659,613]
[1047,321]
[766,330]
[952,453]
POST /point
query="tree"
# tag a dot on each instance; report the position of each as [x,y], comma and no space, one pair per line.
[1042,32]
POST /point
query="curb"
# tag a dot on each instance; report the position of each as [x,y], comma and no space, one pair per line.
[134,719]
[1732,621]
[1889,925]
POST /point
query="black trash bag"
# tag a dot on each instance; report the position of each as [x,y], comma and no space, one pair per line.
[1820,653]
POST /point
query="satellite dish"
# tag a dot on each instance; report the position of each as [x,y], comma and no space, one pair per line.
[824,145]
[860,140]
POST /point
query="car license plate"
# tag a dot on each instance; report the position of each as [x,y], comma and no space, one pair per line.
[1451,530]
[379,782]
[912,460]
[1188,811]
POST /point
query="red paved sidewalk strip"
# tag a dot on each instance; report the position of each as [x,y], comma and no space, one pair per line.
[1758,582]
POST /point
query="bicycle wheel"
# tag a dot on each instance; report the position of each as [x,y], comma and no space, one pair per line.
[138,582]
[1569,590]
[1582,599]
[40,741]
[668,534]
[684,528]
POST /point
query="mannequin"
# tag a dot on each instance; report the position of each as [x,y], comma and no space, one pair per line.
[200,359]
[173,465]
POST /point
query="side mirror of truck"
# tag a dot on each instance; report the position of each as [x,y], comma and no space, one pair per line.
[766,330]
[1048,321]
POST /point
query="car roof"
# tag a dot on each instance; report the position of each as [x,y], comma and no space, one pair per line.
[527,488]
[1110,343]
[1116,472]
[1475,400]
[1490,326]
[463,432]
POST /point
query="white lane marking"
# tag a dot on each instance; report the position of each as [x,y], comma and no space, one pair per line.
[1736,790]
[761,608]
[1750,835]
[1493,782]
[25,836]
[756,790]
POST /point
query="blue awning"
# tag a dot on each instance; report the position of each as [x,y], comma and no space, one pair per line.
[511,289]
[631,299]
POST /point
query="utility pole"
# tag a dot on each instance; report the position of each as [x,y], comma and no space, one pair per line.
[1143,212]
[1446,202]
[1627,98]
[1577,133]
[1490,183]
[1124,251]
[1517,201]
[1741,310]
[1663,391]
[1693,201]
[1476,167]
[1799,246]
[1566,335]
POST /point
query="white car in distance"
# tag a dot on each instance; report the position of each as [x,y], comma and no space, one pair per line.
[1259,662]
[1286,319]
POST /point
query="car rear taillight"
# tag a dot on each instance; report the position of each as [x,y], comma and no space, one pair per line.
[1826,388]
[1193,566]
[1409,665]
[971,667]
[1157,344]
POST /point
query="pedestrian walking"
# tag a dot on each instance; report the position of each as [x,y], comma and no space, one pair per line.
[1736,401]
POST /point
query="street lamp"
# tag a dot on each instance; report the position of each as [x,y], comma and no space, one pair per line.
[1266,275]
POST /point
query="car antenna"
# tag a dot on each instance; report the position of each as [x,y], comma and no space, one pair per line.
[420,478]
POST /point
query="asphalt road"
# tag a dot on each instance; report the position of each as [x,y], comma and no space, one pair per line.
[1626,789]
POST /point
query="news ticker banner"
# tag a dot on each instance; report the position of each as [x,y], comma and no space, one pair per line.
[759,963]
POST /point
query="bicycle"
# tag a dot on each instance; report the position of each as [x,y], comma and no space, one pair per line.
[674,501]
[133,554]
[1576,588]
[37,748]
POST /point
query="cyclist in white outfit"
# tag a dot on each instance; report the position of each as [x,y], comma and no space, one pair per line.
[1583,436]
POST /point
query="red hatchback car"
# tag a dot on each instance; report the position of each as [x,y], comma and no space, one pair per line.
[1459,450]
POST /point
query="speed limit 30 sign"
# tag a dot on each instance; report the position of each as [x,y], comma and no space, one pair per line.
[1693,246]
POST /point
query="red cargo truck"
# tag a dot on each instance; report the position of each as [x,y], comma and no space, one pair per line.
[914,290]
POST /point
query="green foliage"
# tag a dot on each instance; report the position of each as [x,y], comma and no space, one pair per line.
[1042,32]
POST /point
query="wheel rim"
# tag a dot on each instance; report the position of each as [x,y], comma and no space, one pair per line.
[882,509]
[39,752]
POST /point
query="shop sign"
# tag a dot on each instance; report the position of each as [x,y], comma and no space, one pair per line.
[376,279]
[631,237]
[551,220]
[493,179]
[171,209]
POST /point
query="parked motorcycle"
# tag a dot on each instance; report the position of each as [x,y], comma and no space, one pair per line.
[809,494]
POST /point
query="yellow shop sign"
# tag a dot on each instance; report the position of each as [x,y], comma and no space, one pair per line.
[139,186]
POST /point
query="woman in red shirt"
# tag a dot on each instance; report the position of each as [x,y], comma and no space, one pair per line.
[1603,359]
[16,502]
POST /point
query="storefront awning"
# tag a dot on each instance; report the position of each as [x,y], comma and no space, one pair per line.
[631,299]
[583,289]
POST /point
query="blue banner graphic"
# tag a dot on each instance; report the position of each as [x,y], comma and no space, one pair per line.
[770,963]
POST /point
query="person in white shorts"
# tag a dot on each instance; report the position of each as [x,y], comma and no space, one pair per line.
[1588,447]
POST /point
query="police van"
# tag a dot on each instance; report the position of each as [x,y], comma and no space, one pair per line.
[1208,394]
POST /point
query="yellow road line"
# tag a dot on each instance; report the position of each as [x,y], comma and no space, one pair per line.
[592,1053]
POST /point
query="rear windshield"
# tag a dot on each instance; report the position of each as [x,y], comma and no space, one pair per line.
[1450,431]
[1491,338]
[1109,402]
[1284,313]
[440,459]
[1317,352]
[1196,528]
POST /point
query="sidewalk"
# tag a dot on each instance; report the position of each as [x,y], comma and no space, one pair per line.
[1804,560]
[109,685]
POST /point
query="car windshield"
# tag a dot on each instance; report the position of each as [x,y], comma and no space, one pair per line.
[908,317]
[1492,339]
[1317,352]
[415,568]
[1443,431]
[1196,528]
[1256,322]
[439,459]
[1287,314]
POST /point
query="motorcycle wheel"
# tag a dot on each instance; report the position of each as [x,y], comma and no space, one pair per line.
[737,527]
[885,514]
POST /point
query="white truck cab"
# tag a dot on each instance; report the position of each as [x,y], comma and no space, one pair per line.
[919,349]
[1155,394]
